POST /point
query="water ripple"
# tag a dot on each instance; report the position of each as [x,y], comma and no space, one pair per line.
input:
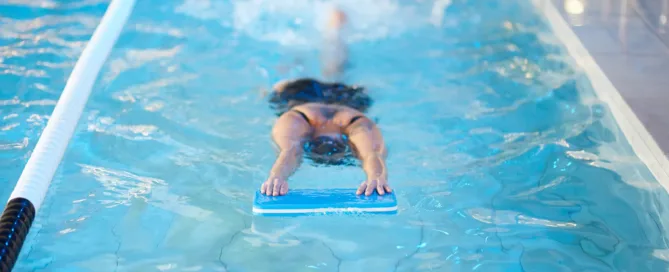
[502,157]
[121,185]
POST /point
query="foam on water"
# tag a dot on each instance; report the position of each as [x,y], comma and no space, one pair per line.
[297,22]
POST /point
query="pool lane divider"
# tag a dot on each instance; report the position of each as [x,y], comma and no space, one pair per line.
[28,195]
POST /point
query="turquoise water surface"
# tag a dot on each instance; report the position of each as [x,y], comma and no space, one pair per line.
[502,157]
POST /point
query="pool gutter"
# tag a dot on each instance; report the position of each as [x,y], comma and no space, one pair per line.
[643,144]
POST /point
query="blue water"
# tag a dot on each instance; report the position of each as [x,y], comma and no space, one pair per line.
[501,156]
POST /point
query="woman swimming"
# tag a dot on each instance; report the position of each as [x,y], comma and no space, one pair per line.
[325,122]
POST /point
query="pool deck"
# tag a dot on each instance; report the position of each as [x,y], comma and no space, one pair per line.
[629,40]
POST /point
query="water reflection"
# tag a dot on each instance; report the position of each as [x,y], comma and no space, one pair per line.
[663,17]
[632,23]
[575,9]
[583,12]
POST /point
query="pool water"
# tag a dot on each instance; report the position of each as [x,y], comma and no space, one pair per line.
[502,157]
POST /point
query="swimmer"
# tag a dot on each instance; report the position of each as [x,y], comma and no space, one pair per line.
[326,122]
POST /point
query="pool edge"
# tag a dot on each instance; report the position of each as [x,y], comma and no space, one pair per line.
[642,142]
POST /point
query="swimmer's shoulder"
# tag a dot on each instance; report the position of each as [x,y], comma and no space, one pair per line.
[311,111]
[345,115]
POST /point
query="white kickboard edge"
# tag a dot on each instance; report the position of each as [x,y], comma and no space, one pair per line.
[323,210]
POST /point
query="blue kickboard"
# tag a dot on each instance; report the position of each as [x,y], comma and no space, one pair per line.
[323,201]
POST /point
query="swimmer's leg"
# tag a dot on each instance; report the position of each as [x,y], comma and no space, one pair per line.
[335,53]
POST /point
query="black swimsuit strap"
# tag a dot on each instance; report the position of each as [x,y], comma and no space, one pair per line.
[356,118]
[303,115]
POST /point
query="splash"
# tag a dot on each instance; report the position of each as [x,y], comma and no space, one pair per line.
[299,22]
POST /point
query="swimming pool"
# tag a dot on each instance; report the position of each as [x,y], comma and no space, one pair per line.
[502,157]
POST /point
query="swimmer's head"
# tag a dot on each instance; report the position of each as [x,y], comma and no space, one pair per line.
[327,150]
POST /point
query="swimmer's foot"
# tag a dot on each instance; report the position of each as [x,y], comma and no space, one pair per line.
[337,19]
[274,187]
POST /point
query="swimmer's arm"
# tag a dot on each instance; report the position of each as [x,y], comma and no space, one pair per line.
[368,142]
[289,134]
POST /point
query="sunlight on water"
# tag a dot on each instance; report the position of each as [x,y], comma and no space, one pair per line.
[502,158]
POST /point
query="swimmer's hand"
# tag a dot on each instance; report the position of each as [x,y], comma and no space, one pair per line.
[379,184]
[274,186]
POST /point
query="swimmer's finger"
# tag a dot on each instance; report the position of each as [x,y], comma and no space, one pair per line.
[370,188]
[388,189]
[379,189]
[361,189]
[269,187]
[284,188]
[263,188]
[277,187]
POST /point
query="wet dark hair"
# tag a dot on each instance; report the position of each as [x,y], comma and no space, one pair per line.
[327,151]
[324,145]
[308,90]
